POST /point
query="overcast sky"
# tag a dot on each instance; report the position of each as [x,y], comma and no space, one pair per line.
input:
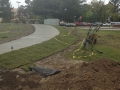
[106,1]
[15,4]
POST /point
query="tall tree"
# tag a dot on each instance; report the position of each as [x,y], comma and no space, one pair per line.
[97,7]
[70,9]
[27,2]
[116,4]
[5,10]
[89,15]
[45,7]
[65,9]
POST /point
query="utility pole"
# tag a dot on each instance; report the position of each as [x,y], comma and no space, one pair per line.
[18,16]
[18,7]
[65,14]
[18,3]
[27,15]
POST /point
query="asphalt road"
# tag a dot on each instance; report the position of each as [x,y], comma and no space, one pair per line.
[42,33]
[101,28]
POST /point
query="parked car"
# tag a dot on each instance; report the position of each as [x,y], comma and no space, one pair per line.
[70,25]
[89,24]
[85,23]
[106,24]
[62,23]
[78,23]
[115,24]
[97,23]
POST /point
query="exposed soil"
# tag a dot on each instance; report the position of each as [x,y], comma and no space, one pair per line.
[101,74]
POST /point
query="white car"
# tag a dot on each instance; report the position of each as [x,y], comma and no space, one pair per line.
[62,23]
[106,24]
[70,25]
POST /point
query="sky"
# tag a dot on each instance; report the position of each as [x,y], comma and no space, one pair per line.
[106,1]
[15,4]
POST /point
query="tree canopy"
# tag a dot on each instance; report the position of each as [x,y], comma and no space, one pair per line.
[70,10]
[116,4]
[64,9]
[5,10]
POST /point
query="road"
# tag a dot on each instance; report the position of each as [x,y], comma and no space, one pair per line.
[101,28]
[42,33]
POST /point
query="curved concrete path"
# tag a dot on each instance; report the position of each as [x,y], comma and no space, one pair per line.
[42,33]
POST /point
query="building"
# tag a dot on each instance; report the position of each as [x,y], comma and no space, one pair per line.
[15,11]
[52,21]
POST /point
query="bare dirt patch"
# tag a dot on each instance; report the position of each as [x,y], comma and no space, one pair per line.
[99,74]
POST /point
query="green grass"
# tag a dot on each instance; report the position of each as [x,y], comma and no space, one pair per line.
[10,31]
[108,42]
[26,56]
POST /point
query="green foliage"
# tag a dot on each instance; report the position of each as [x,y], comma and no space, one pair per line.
[116,4]
[89,14]
[102,12]
[40,7]
[69,10]
[28,1]
[110,12]
[63,9]
[5,9]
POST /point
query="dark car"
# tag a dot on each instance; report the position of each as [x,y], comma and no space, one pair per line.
[97,23]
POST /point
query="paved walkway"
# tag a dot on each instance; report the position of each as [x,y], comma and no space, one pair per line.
[101,28]
[42,33]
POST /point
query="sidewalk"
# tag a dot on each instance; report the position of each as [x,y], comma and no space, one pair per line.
[101,28]
[42,33]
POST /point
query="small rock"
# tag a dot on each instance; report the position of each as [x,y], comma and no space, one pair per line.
[103,80]
[20,88]
[67,67]
[23,80]
[84,71]
[118,88]
[1,79]
[17,76]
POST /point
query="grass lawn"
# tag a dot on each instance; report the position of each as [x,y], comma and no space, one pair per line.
[36,52]
[12,31]
[108,42]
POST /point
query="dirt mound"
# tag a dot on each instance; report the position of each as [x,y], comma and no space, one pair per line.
[100,74]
